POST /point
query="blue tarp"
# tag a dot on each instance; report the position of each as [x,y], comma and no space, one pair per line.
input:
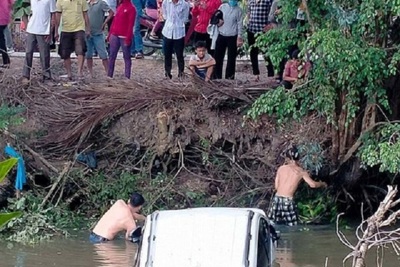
[21,173]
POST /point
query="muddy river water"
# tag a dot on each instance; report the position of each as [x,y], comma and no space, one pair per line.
[298,247]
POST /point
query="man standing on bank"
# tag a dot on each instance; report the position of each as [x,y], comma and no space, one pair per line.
[75,21]
[176,14]
[121,216]
[258,11]
[39,29]
[96,41]
[283,209]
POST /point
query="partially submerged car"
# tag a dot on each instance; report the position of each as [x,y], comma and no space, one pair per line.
[207,237]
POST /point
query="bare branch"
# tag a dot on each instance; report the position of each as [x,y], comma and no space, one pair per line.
[370,232]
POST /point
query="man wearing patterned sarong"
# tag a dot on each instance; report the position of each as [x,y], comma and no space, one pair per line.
[283,209]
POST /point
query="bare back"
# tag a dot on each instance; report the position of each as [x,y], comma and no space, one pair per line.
[287,179]
[118,218]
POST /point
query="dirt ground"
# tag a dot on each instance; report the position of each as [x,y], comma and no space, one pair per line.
[149,68]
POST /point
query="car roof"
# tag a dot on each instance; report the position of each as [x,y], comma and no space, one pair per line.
[200,236]
[225,211]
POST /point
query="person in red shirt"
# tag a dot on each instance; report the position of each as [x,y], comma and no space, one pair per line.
[120,35]
[5,17]
[295,69]
[203,11]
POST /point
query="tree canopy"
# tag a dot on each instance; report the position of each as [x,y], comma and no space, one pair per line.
[354,82]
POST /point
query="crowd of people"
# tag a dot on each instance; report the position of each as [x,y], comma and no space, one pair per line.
[79,26]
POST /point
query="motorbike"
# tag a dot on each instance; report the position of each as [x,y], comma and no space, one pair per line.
[151,45]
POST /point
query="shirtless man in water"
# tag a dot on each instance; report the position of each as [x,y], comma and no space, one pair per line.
[120,217]
[283,209]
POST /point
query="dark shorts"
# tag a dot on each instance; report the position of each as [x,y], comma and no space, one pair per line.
[70,42]
[95,238]
[201,72]
[283,210]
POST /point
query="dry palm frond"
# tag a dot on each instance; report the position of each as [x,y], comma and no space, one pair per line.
[72,113]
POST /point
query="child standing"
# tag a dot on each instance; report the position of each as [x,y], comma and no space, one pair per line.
[202,64]
[230,37]
[120,35]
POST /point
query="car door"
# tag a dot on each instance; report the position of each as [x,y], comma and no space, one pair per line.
[264,253]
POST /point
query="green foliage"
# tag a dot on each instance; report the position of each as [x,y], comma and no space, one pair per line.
[394,6]
[382,148]
[352,55]
[10,116]
[316,206]
[394,63]
[197,198]
[312,156]
[6,217]
[104,190]
[341,66]
[21,8]
[345,67]
[345,17]
[278,102]
[36,224]
[5,167]
[276,42]
[205,144]
[160,192]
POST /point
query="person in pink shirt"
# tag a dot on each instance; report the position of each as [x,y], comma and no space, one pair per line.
[295,69]
[5,18]
[203,11]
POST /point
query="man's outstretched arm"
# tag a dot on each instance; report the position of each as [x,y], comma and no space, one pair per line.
[311,182]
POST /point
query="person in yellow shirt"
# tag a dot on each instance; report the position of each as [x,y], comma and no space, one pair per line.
[75,22]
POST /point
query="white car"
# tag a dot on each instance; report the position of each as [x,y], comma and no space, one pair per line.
[207,237]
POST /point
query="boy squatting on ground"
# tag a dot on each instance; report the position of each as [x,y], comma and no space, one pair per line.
[283,209]
[202,64]
[120,217]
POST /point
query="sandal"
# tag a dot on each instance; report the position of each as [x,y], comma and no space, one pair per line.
[65,77]
[139,55]
[153,37]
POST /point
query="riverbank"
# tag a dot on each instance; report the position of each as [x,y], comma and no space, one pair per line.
[181,142]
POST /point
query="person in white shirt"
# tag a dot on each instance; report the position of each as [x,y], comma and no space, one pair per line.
[38,29]
[112,4]
[176,14]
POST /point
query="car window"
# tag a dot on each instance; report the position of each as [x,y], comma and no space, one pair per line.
[263,248]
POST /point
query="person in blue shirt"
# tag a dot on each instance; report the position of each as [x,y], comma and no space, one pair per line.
[137,42]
